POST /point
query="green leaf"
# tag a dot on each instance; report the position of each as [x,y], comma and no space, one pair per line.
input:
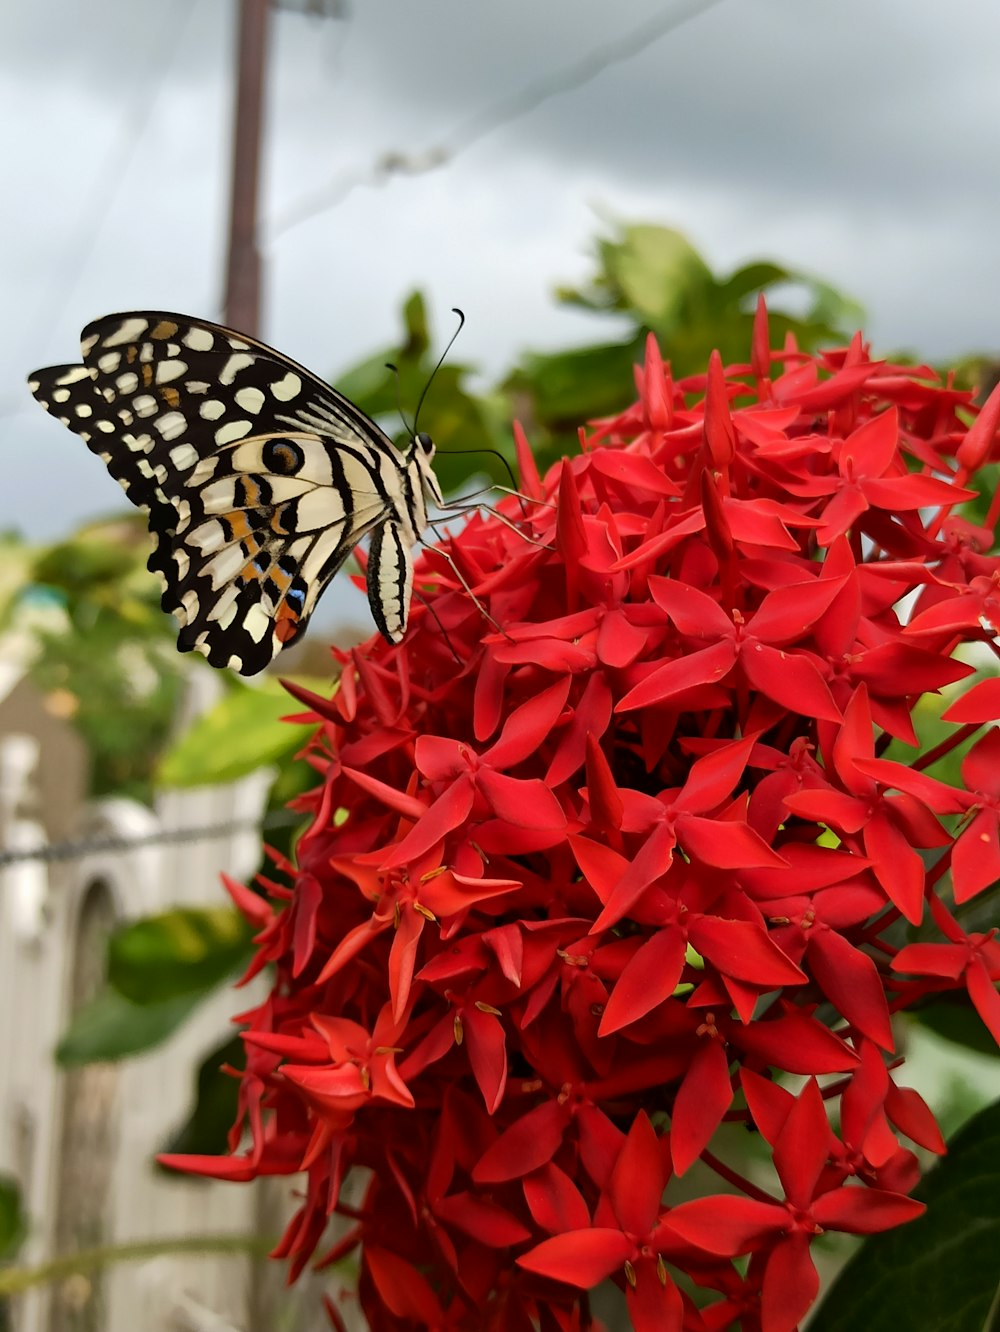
[291,780]
[82,564]
[568,387]
[418,337]
[13,1223]
[980,915]
[457,420]
[112,1027]
[206,1128]
[15,568]
[659,273]
[750,279]
[240,734]
[955,1019]
[941,1272]
[832,307]
[181,952]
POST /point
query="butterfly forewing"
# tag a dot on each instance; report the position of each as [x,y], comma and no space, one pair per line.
[258,477]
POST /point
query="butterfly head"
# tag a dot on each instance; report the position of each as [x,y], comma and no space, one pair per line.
[421,456]
[259,479]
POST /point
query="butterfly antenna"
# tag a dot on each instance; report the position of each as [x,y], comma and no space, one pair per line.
[510,472]
[399,401]
[441,360]
[496,454]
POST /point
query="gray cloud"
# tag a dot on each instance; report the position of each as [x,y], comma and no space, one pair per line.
[853,140]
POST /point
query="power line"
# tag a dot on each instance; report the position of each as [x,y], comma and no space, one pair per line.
[503,112]
[86,846]
[106,181]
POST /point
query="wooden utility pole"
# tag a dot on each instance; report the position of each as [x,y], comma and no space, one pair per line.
[243,264]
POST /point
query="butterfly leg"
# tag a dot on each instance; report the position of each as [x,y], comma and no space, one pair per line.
[439,550]
[459,508]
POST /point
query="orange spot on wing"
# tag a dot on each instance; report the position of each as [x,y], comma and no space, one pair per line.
[281,580]
[250,573]
[238,524]
[170,396]
[286,623]
[147,375]
[164,329]
[131,353]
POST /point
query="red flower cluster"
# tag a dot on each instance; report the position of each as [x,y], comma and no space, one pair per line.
[585,879]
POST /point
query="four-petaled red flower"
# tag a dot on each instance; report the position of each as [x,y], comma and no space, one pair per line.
[585,880]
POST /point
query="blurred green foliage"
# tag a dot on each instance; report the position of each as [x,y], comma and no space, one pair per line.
[244,731]
[939,1273]
[459,420]
[651,279]
[112,1027]
[106,651]
[214,1103]
[646,279]
[188,950]
[101,650]
[13,1225]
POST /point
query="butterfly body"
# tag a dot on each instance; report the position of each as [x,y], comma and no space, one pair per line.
[259,478]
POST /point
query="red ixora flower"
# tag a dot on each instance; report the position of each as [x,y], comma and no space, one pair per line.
[585,880]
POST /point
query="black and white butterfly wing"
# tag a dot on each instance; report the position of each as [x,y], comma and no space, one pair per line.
[258,477]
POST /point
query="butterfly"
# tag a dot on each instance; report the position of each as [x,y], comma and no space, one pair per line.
[259,478]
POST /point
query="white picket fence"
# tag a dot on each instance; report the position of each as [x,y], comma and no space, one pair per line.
[80,1144]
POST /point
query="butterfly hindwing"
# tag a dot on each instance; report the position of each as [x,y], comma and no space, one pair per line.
[69,393]
[258,477]
[259,546]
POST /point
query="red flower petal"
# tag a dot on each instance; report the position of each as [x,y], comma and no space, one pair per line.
[654,1305]
[851,979]
[791,1283]
[647,979]
[580,1257]
[726,1225]
[635,1189]
[864,1211]
[702,1099]
[528,1144]
[556,1204]
[980,704]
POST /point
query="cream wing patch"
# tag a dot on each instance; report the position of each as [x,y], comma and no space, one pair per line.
[259,479]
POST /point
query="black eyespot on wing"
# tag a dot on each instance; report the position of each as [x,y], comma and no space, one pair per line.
[202,425]
[283,457]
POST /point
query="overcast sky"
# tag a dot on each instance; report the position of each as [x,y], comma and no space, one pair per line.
[854,139]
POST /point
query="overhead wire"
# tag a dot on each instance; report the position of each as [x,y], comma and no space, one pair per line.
[114,844]
[579,72]
[106,182]
[465,135]
[576,74]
